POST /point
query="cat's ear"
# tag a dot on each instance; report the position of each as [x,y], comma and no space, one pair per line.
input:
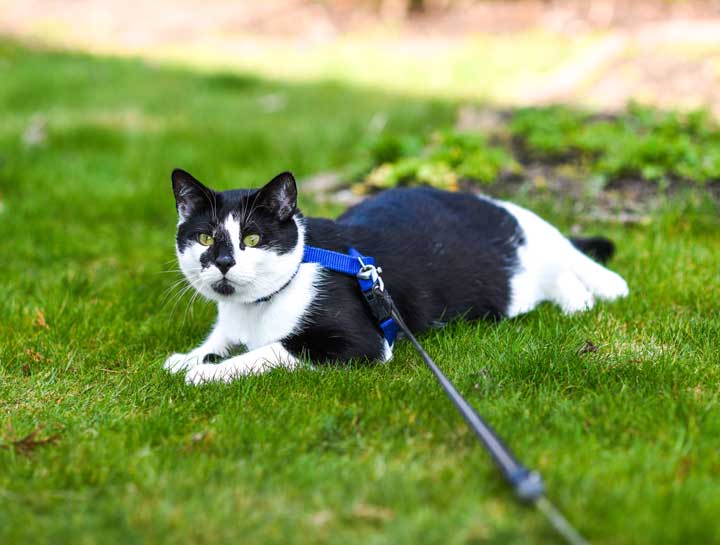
[279,196]
[190,195]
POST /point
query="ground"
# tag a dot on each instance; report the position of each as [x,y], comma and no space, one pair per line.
[596,52]
[616,407]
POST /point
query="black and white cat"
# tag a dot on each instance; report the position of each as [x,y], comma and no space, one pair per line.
[443,255]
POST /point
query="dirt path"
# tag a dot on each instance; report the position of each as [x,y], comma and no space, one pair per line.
[658,52]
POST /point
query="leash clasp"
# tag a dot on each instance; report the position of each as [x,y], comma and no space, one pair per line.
[371,273]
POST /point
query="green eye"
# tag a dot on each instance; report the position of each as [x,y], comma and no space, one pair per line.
[205,239]
[251,240]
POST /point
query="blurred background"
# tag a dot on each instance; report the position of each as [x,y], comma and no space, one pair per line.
[595,52]
[585,94]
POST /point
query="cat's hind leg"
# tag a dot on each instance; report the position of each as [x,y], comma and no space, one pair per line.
[603,283]
[546,278]
[551,269]
[570,294]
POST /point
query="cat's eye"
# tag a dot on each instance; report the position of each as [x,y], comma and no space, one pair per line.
[251,240]
[205,239]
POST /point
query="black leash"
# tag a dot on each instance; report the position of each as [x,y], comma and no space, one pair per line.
[527,485]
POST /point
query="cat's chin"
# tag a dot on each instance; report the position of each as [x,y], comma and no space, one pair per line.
[223,287]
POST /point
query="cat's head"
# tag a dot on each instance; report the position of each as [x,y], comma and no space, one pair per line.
[240,245]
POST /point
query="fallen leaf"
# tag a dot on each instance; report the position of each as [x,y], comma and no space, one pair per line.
[40,319]
[373,512]
[27,445]
[34,355]
[588,347]
[684,467]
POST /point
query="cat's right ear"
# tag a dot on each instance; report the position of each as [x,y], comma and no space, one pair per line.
[190,195]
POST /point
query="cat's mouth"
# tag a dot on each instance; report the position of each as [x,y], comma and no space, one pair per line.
[223,287]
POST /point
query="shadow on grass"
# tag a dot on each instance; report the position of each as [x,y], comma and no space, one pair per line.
[86,226]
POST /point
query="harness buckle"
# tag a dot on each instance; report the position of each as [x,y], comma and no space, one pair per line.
[371,273]
[379,301]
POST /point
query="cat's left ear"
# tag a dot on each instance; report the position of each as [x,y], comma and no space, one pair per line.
[279,196]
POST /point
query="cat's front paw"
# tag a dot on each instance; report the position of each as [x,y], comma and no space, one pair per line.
[180,362]
[201,374]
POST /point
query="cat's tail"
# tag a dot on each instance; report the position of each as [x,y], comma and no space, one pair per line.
[599,248]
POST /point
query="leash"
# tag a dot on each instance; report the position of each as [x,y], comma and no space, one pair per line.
[528,485]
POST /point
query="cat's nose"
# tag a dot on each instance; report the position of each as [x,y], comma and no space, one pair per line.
[224,262]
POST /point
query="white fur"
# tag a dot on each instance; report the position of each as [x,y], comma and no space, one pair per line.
[241,321]
[258,324]
[256,361]
[552,269]
[387,351]
[256,274]
[233,227]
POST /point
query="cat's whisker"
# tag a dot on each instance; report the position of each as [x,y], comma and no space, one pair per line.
[175,301]
[175,271]
[168,293]
[254,206]
[178,296]
[190,306]
[177,282]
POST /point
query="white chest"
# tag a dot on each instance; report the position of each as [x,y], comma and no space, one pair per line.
[259,324]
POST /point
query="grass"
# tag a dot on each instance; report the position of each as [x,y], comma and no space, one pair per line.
[642,143]
[626,437]
[488,65]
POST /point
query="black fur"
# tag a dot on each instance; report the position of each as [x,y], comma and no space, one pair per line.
[443,255]
[599,248]
[266,212]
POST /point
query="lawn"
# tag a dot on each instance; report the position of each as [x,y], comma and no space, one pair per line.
[625,436]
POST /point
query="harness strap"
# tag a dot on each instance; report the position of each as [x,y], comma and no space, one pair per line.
[367,274]
[336,261]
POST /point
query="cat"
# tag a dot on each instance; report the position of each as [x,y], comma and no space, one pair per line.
[444,255]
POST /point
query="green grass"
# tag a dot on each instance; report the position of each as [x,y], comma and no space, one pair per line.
[626,437]
[641,143]
[489,65]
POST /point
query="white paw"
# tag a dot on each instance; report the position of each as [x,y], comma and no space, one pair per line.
[612,287]
[581,303]
[571,294]
[200,374]
[180,362]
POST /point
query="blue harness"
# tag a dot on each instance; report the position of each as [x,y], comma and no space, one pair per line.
[371,285]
